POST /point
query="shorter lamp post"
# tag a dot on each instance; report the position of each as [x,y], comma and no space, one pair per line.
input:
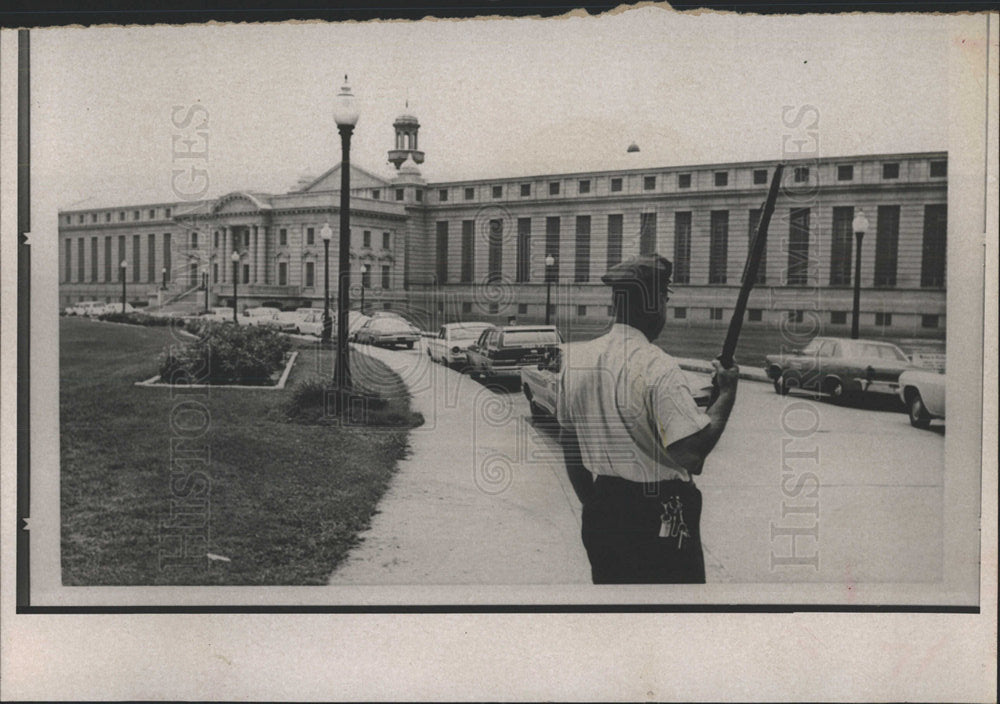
[549,263]
[326,234]
[364,280]
[163,273]
[236,263]
[124,266]
[859,225]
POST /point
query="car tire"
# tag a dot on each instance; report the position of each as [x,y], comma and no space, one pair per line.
[919,417]
[835,392]
[780,387]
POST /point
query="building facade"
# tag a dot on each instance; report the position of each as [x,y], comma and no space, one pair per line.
[478,249]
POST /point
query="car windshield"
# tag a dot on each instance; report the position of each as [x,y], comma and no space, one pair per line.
[465,333]
[520,338]
[891,353]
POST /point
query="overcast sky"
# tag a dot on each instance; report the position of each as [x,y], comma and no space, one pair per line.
[494,98]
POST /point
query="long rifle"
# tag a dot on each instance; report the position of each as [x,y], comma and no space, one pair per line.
[757,248]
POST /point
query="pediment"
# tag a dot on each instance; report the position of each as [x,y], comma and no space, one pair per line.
[360,178]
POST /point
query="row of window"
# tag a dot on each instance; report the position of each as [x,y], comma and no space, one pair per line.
[754,315]
[119,263]
[81,218]
[399,194]
[800,174]
[932,271]
[310,238]
[309,275]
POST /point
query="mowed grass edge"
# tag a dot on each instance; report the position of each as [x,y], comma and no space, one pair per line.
[281,502]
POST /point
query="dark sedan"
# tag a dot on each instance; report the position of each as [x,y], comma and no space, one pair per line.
[503,351]
[839,368]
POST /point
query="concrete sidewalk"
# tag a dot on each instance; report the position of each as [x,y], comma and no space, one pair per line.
[480,500]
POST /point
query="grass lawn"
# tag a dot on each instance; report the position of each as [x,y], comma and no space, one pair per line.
[282,501]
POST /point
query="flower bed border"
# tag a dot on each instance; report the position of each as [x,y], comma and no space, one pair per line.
[154,382]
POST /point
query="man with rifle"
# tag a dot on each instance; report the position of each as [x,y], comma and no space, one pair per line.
[633,436]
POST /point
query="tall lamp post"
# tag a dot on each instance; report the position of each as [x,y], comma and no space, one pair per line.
[859,225]
[345,114]
[326,233]
[124,266]
[549,263]
[235,257]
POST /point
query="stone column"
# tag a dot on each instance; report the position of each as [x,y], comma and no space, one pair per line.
[253,255]
[262,256]
[225,254]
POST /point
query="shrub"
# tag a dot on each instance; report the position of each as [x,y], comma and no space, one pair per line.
[227,354]
[137,319]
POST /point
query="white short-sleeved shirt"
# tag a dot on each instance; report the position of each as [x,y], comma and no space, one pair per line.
[627,401]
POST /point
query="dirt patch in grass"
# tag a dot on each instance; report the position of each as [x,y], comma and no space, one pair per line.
[144,503]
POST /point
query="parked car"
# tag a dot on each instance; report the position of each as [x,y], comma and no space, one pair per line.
[503,350]
[453,340]
[388,331]
[539,384]
[217,315]
[839,368]
[114,308]
[355,321]
[85,307]
[289,318]
[923,393]
[311,323]
[260,316]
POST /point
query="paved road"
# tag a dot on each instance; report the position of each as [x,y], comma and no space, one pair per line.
[483,497]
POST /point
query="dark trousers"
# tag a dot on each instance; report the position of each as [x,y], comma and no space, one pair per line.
[639,533]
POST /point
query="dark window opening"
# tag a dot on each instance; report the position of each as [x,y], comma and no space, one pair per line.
[682,247]
[648,183]
[616,185]
[890,170]
[554,188]
[845,172]
[759,176]
[721,178]
[680,313]
[939,169]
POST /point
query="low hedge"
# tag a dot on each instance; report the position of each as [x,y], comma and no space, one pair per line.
[227,354]
[139,319]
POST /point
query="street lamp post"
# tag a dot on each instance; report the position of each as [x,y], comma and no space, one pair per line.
[235,257]
[859,225]
[549,263]
[124,266]
[326,233]
[364,272]
[345,114]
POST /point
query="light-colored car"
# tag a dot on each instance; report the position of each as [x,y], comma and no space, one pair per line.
[388,331]
[88,308]
[115,308]
[923,394]
[217,315]
[452,341]
[839,368]
[255,317]
[355,321]
[311,322]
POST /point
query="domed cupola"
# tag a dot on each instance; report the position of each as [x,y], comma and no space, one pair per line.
[407,127]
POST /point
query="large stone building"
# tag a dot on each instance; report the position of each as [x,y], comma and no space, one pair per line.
[478,249]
